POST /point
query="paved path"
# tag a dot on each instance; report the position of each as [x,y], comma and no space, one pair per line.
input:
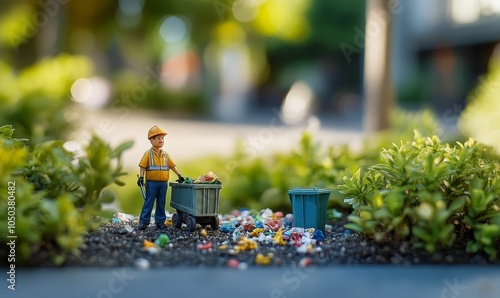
[187,139]
[357,281]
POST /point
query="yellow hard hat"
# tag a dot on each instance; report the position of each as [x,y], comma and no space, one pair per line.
[154,131]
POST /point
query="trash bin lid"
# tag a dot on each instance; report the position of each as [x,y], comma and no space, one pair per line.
[314,190]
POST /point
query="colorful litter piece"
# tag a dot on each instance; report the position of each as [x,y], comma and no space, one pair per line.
[297,239]
[305,262]
[162,240]
[204,246]
[245,244]
[233,263]
[260,259]
[318,235]
[256,232]
[148,244]
[150,247]
[278,238]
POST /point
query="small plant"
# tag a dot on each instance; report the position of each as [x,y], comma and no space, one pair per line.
[58,197]
[431,192]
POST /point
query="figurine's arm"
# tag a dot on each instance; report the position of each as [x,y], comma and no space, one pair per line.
[181,179]
[176,171]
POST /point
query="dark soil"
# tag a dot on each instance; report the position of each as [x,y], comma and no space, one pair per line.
[112,245]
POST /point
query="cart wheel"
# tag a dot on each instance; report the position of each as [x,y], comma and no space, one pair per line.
[176,220]
[191,223]
[215,223]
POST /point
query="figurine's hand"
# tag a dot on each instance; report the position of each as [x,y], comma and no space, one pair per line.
[181,179]
[140,181]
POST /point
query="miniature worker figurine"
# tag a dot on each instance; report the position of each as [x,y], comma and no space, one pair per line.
[155,166]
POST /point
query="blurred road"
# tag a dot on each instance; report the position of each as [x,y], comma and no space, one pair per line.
[262,134]
[352,281]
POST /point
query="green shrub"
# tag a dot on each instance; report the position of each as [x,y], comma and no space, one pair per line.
[58,196]
[431,192]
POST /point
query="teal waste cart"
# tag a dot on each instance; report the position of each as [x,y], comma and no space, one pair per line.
[195,203]
[309,207]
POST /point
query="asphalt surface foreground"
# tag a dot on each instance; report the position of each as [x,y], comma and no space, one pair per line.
[353,281]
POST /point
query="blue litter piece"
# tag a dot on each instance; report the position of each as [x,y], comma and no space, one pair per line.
[116,220]
[287,233]
[318,235]
[347,232]
[227,228]
[259,224]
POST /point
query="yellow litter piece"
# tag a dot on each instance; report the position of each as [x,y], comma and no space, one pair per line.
[245,244]
[256,232]
[168,222]
[149,244]
[203,232]
[260,259]
[278,238]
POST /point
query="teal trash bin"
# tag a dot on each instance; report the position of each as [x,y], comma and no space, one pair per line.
[309,207]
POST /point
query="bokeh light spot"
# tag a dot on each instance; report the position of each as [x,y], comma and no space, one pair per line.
[297,104]
[131,7]
[173,29]
[245,11]
[81,90]
[94,92]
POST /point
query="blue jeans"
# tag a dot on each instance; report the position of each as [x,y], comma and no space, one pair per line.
[155,190]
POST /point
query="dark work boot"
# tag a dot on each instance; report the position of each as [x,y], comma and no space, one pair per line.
[142,226]
[161,227]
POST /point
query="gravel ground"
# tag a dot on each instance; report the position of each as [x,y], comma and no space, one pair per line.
[112,245]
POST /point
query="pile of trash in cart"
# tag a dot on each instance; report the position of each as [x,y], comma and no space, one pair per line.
[246,230]
[208,178]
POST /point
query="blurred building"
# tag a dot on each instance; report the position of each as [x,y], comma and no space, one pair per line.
[441,49]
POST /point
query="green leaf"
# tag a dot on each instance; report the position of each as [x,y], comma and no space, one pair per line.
[473,247]
[355,219]
[382,214]
[430,247]
[457,204]
[491,251]
[354,227]
[421,233]
[117,152]
[107,196]
[445,233]
[6,131]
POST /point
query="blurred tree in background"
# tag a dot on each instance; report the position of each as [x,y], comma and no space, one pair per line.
[34,98]
[172,55]
[480,119]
